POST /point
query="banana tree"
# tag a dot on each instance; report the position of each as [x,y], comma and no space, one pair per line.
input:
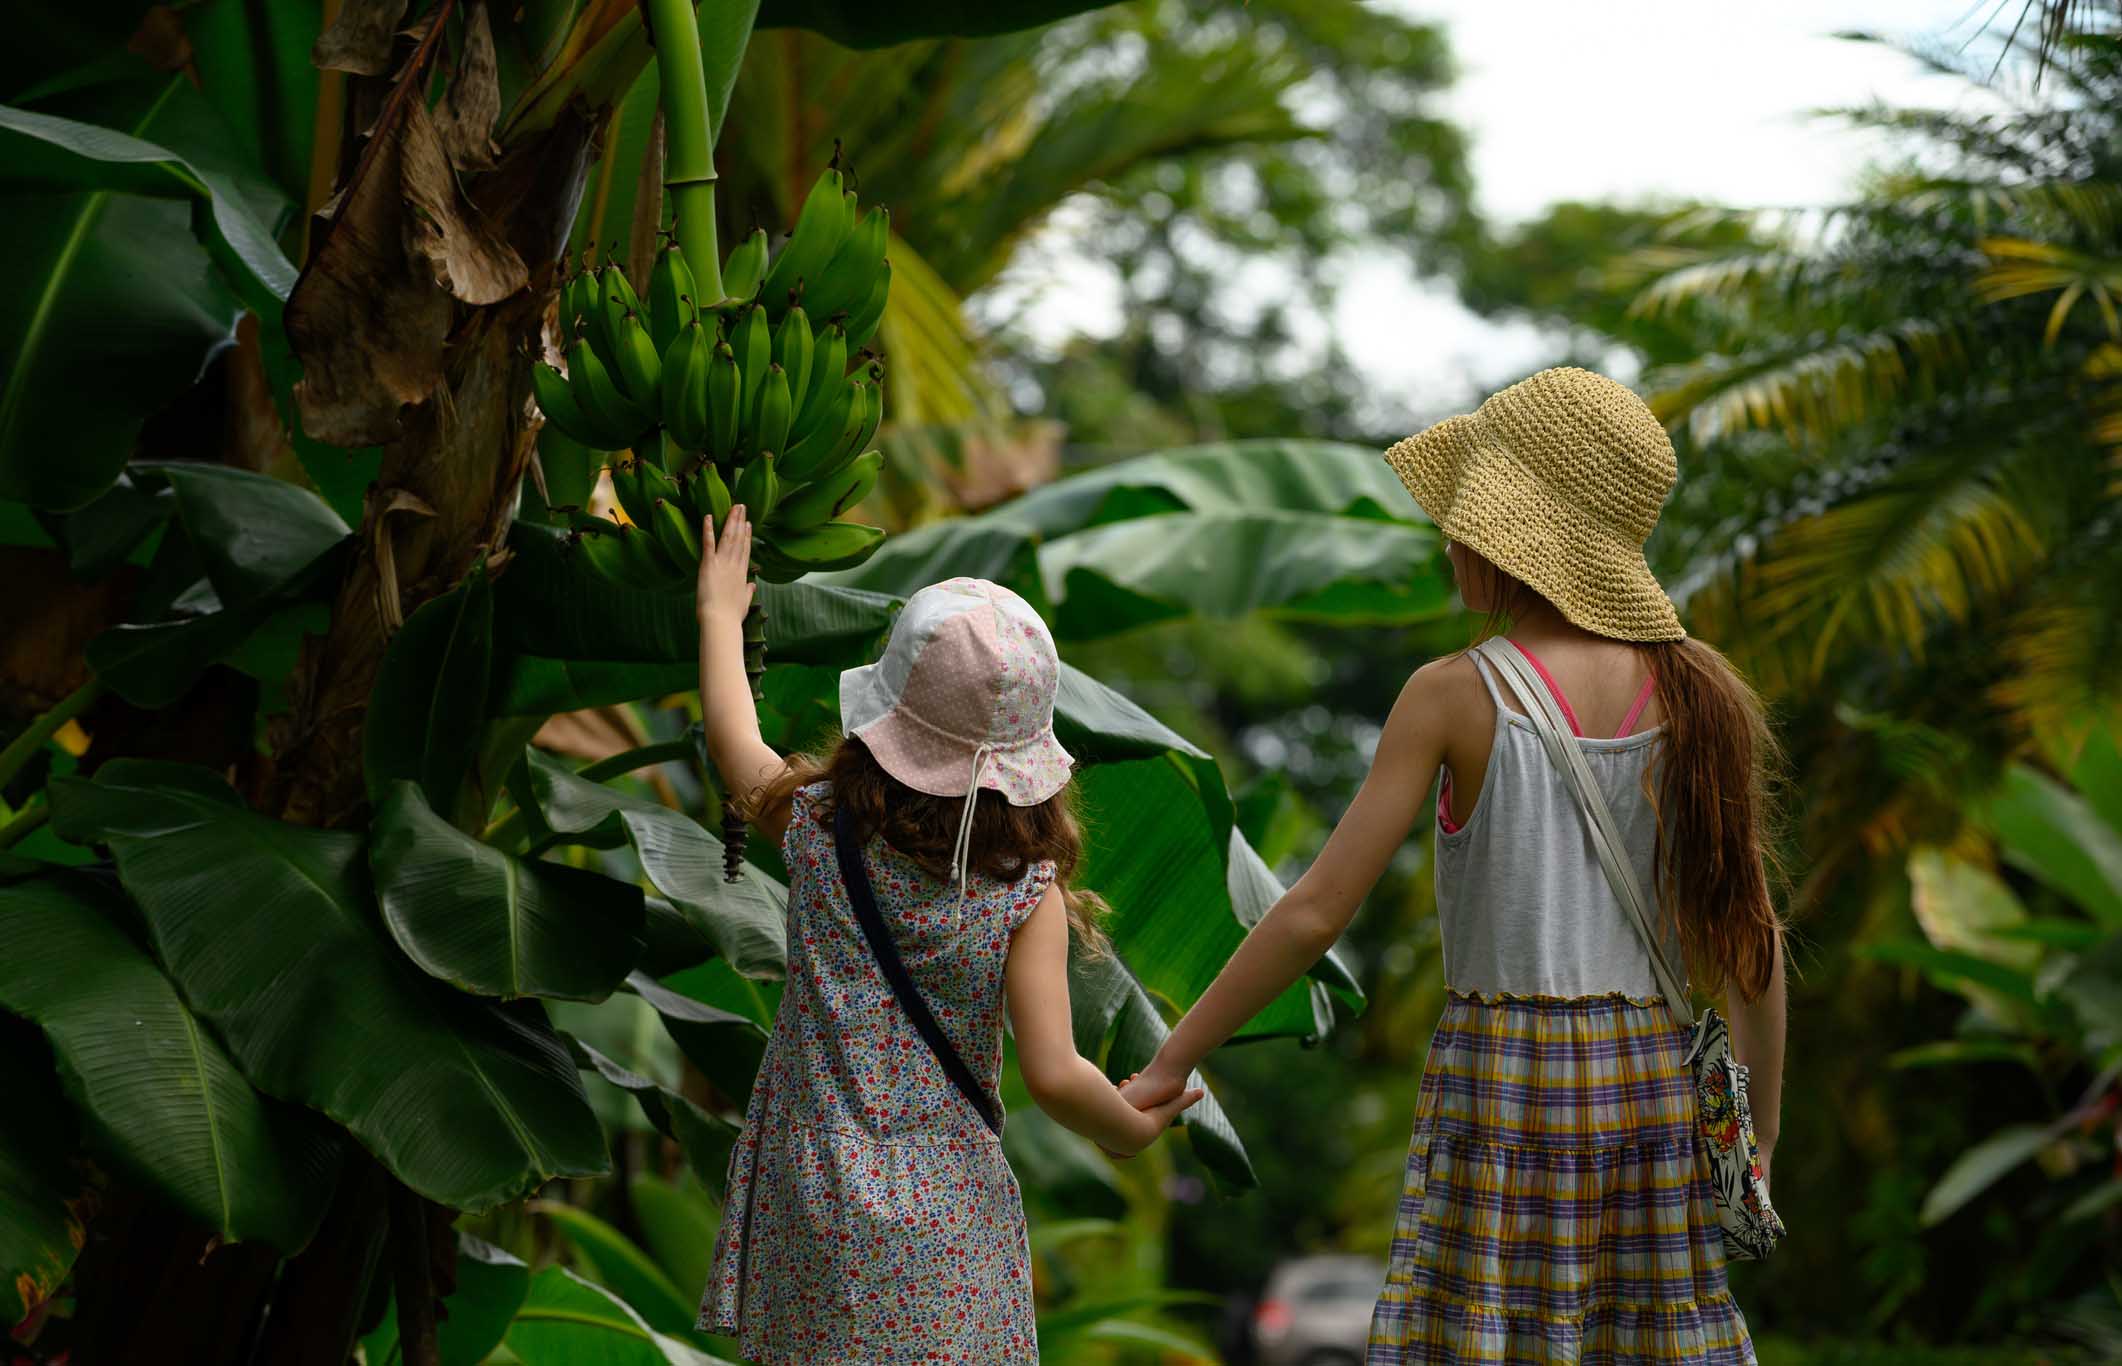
[322,256]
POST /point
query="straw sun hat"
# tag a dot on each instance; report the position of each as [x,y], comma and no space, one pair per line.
[963,699]
[1557,481]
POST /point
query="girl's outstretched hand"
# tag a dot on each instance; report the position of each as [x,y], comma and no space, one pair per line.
[725,591]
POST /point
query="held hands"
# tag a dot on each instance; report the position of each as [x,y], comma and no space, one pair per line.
[725,593]
[1151,1120]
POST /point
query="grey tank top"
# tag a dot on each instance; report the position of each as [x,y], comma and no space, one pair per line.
[1524,906]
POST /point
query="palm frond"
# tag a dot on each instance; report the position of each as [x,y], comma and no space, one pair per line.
[1811,388]
[2019,268]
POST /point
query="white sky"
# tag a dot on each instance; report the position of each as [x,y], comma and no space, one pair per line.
[1628,101]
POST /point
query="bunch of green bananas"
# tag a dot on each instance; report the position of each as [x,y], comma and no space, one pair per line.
[743,400]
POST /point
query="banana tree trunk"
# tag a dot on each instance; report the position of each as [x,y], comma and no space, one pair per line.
[449,482]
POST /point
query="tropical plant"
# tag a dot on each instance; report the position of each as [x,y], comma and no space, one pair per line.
[2042,977]
[307,907]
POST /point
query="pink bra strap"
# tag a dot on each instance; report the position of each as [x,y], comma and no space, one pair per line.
[1628,723]
[1549,680]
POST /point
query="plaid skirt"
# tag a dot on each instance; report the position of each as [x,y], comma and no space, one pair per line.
[1556,1208]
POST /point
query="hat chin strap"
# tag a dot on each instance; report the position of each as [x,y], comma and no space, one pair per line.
[962,851]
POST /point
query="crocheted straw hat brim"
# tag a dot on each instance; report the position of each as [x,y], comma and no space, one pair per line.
[1563,534]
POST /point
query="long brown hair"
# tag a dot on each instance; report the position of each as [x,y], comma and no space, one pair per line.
[1007,840]
[1718,780]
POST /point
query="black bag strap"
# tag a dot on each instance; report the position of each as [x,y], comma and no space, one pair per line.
[879,936]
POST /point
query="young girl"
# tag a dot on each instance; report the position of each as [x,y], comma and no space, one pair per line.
[1556,1207]
[871,1217]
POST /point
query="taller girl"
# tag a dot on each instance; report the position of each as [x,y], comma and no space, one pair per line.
[1556,1207]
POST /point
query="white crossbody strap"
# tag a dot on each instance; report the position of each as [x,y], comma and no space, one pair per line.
[1568,759]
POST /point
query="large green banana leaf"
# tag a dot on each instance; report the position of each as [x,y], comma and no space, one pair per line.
[262,549]
[678,1225]
[488,922]
[254,65]
[1303,529]
[1143,875]
[157,1094]
[425,710]
[491,1286]
[611,1259]
[743,921]
[2058,837]
[41,1193]
[121,307]
[726,1045]
[48,152]
[271,933]
[704,1138]
[566,1321]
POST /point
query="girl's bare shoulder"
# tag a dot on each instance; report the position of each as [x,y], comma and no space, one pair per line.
[1446,695]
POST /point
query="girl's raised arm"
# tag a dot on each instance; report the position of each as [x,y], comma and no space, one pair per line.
[1067,1085]
[1298,929]
[740,754]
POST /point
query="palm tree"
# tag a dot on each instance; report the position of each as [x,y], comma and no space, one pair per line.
[1906,411]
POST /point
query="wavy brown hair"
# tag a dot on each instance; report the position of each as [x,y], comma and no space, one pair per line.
[1718,779]
[1006,840]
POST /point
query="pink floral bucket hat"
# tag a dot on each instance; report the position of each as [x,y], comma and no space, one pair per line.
[963,699]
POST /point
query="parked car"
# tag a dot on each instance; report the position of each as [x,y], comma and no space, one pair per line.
[1315,1311]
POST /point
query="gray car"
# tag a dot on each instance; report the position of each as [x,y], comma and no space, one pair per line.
[1315,1311]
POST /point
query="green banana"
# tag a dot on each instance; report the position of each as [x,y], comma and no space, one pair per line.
[828,368]
[810,456]
[829,545]
[598,396]
[745,264]
[652,567]
[770,427]
[614,552]
[670,294]
[759,487]
[676,535]
[627,488]
[827,498]
[640,367]
[615,299]
[725,399]
[863,322]
[684,388]
[577,298]
[793,348]
[873,410]
[754,345]
[716,493]
[824,221]
[846,281]
[655,483]
[558,404]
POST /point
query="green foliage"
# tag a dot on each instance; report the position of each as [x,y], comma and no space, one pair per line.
[743,922]
[491,1286]
[2053,996]
[94,246]
[270,932]
[430,697]
[1295,529]
[490,923]
[41,1228]
[157,1093]
[565,1320]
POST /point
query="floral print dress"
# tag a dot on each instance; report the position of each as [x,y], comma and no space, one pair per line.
[871,1218]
